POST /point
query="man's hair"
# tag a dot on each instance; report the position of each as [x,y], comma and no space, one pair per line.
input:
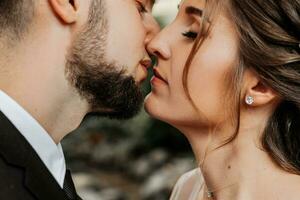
[15,17]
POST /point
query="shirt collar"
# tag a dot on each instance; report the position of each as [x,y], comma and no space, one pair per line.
[50,153]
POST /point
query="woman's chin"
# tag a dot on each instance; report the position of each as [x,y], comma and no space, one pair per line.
[154,107]
[161,109]
[151,106]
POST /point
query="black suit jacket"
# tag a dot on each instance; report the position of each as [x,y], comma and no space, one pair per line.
[23,175]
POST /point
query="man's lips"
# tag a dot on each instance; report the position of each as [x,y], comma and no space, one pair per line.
[158,75]
[146,63]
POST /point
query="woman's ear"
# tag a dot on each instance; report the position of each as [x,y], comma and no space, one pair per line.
[66,10]
[256,92]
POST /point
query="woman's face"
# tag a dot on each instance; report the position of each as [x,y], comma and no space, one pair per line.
[207,75]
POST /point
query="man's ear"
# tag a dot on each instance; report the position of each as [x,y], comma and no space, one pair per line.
[256,92]
[66,10]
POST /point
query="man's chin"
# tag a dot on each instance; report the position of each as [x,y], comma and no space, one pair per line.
[115,115]
[118,107]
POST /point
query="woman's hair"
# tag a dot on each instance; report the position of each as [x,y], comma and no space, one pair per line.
[269,44]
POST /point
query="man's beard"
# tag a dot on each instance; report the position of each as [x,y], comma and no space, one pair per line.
[104,85]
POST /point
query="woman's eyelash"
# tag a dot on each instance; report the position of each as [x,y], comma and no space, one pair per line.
[190,34]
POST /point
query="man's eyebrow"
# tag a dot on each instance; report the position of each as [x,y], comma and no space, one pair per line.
[152,2]
[190,10]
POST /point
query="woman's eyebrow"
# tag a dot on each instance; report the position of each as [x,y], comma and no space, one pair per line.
[190,10]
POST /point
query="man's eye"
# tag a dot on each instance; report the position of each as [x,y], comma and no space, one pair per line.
[190,34]
[141,7]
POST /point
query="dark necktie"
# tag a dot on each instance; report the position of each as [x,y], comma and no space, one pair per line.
[69,187]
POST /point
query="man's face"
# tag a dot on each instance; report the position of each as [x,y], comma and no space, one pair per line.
[108,60]
[131,26]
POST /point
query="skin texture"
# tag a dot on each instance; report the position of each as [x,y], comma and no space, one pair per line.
[240,170]
[111,87]
[35,71]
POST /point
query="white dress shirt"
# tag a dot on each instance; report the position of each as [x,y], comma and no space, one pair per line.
[50,153]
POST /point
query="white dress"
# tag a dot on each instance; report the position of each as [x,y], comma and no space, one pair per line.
[188,186]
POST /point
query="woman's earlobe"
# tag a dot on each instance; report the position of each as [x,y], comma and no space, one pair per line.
[257,93]
[66,10]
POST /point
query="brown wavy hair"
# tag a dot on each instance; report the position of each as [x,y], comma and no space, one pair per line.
[269,44]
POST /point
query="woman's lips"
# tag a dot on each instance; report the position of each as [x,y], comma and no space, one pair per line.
[159,76]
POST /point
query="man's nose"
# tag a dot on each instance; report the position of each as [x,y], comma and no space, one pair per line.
[152,29]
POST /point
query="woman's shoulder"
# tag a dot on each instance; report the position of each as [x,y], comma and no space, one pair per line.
[190,176]
[188,186]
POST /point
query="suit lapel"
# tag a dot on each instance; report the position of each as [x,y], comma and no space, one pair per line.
[17,151]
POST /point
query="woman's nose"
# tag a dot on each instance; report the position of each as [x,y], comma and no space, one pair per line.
[159,45]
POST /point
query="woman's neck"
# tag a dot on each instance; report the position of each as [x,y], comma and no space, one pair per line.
[241,169]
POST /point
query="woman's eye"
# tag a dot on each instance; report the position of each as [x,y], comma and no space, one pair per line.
[190,34]
[141,7]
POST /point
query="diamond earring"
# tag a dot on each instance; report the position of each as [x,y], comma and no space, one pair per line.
[249,100]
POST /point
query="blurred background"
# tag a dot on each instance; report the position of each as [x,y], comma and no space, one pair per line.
[138,159]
